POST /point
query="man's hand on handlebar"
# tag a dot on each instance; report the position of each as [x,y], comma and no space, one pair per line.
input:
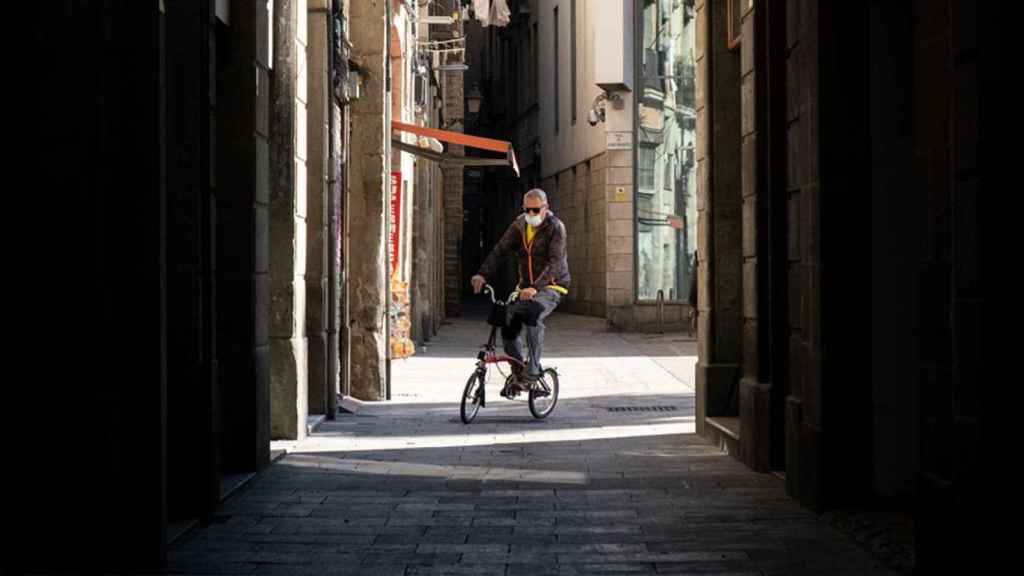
[478,282]
[527,293]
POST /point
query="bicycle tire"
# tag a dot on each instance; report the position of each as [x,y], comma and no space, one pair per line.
[471,393]
[547,383]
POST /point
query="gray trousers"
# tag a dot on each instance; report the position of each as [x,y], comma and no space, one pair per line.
[529,314]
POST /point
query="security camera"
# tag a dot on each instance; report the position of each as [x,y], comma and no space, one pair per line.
[596,113]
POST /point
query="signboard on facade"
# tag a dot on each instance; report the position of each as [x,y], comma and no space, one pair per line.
[401,344]
[395,220]
[622,140]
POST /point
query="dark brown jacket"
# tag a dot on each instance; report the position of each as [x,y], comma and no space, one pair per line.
[541,263]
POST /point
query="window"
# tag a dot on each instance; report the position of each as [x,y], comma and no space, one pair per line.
[512,77]
[668,180]
[503,75]
[534,63]
[649,57]
[572,59]
[270,35]
[645,170]
[734,29]
[555,67]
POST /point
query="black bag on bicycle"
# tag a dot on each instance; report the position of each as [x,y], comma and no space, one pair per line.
[498,316]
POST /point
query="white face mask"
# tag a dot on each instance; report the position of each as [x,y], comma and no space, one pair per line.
[534,219]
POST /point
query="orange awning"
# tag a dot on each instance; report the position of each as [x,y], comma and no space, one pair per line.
[457,138]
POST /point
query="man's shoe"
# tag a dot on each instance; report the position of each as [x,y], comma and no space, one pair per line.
[518,377]
[530,379]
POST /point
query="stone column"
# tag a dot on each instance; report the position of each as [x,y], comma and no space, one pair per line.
[755,390]
[288,344]
[365,260]
[720,216]
[317,205]
[243,196]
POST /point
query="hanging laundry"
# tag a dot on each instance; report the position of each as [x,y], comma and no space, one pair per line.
[482,9]
[500,13]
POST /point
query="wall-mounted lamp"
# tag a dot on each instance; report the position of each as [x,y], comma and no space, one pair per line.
[349,83]
[355,82]
[474,99]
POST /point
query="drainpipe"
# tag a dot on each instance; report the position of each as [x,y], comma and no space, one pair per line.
[387,202]
[333,348]
[661,311]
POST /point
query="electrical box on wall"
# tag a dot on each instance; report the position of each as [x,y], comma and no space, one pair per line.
[613,61]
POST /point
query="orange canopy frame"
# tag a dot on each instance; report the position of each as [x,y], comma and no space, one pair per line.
[457,138]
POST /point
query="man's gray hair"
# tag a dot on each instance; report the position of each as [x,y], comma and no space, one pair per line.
[536,193]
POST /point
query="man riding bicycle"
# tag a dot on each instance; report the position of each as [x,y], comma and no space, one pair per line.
[537,239]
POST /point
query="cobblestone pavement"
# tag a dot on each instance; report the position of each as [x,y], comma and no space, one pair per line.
[614,481]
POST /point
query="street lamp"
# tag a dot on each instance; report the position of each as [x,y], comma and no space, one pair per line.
[474,99]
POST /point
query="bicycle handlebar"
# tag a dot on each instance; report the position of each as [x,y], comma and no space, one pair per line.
[488,289]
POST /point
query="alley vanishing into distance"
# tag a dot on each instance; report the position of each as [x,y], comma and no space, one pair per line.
[244,286]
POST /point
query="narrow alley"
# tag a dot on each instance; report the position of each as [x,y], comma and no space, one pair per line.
[248,262]
[613,481]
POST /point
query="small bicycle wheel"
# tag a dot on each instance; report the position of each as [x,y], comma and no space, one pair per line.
[471,397]
[544,394]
